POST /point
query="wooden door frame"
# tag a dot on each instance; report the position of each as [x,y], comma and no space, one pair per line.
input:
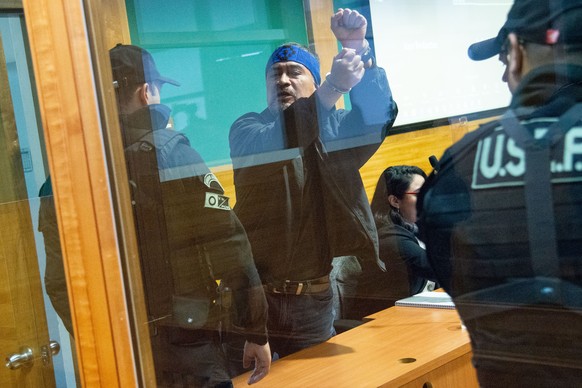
[24,324]
[65,61]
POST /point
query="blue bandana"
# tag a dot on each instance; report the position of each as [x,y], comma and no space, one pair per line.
[296,54]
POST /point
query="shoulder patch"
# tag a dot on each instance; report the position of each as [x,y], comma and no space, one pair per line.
[212,182]
[145,146]
[216,201]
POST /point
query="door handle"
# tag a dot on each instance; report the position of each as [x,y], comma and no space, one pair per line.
[18,360]
[25,358]
[48,351]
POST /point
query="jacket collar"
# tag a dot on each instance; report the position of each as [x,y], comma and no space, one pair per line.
[151,117]
[547,85]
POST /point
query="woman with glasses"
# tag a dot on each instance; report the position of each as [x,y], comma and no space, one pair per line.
[407,269]
[394,207]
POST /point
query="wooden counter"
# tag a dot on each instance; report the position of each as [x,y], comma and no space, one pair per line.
[380,353]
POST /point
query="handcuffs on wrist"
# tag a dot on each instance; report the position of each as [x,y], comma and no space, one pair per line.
[366,54]
[334,87]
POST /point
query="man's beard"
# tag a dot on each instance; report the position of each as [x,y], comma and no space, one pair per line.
[283,101]
[279,106]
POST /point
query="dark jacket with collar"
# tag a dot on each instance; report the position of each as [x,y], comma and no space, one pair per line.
[400,245]
[300,196]
[407,272]
[473,219]
[183,219]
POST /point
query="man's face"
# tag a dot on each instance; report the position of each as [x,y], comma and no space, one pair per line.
[287,82]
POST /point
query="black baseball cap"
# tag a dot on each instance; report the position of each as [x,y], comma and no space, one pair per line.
[133,65]
[538,21]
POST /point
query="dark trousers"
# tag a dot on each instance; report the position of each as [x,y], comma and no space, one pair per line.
[189,359]
[299,321]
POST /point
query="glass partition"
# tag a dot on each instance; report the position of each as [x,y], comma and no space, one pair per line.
[245,178]
[278,175]
[257,141]
[250,209]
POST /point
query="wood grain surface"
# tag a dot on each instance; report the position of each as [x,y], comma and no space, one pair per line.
[375,354]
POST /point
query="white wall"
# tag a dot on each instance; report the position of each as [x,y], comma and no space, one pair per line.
[423,44]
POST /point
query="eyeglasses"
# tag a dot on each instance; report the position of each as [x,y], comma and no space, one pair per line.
[412,192]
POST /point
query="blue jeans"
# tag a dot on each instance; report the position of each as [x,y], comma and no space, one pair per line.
[295,322]
[299,321]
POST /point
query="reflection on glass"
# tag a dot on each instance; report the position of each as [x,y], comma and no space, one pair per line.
[201,284]
[294,166]
[296,174]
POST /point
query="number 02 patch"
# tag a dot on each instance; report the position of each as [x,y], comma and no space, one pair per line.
[216,201]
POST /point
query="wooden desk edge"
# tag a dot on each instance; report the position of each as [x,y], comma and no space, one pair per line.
[416,372]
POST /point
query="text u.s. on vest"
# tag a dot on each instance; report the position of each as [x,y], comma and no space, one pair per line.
[499,161]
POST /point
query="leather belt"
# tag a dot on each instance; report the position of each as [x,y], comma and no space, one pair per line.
[298,287]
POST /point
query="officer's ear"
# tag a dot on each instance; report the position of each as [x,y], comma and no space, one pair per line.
[515,61]
[142,94]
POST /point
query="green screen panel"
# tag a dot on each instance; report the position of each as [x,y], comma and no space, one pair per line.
[217,50]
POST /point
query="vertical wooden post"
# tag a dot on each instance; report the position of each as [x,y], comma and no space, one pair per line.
[71,118]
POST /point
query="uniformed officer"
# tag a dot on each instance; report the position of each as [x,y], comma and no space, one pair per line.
[195,257]
[502,219]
